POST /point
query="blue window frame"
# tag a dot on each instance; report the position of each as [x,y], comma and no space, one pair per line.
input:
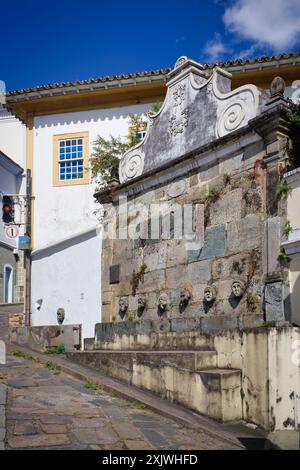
[70,159]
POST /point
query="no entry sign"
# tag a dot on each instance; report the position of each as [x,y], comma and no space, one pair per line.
[12,231]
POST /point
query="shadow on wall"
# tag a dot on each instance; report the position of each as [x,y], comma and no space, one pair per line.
[295,302]
[86,117]
[64,244]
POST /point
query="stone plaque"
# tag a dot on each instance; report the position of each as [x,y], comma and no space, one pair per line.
[114,274]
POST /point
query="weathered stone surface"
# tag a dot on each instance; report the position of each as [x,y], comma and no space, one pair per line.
[214,244]
[20,383]
[272,242]
[244,234]
[274,301]
[127,431]
[217,323]
[42,440]
[54,428]
[89,422]
[226,208]
[2,394]
[25,428]
[137,445]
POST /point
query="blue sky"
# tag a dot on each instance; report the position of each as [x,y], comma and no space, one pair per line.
[45,42]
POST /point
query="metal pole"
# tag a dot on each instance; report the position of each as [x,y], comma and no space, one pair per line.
[28,252]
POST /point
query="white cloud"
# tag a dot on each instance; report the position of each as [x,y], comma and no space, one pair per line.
[215,49]
[272,23]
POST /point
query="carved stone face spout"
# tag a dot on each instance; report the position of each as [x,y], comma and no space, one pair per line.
[60,314]
[123,306]
[162,304]
[184,300]
[141,306]
[210,294]
[238,289]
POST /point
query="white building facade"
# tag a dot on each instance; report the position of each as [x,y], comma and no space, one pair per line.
[66,242]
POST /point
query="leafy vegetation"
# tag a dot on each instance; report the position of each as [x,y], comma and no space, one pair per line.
[283,257]
[251,299]
[213,194]
[106,153]
[59,349]
[226,179]
[283,190]
[92,386]
[137,405]
[137,277]
[23,355]
[55,368]
[287,228]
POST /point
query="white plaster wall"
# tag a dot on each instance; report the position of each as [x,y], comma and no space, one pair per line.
[12,137]
[67,276]
[61,212]
[8,184]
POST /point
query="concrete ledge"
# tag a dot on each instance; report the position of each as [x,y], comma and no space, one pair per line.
[39,338]
[179,376]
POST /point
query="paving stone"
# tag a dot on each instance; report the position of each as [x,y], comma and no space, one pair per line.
[137,445]
[2,394]
[89,422]
[24,428]
[93,436]
[20,383]
[2,417]
[54,428]
[127,431]
[41,440]
[156,439]
[53,419]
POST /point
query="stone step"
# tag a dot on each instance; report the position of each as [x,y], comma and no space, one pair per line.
[223,393]
[178,376]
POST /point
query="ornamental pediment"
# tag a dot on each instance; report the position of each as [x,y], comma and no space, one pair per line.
[199,108]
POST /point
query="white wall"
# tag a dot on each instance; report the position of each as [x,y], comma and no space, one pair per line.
[67,276]
[12,137]
[59,278]
[8,184]
[59,211]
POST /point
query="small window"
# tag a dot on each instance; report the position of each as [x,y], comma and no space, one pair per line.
[71,159]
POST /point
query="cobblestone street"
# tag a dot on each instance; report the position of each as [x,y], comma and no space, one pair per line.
[47,409]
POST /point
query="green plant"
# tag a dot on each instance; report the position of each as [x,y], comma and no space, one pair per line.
[251,299]
[283,190]
[137,405]
[283,257]
[23,355]
[105,158]
[287,228]
[213,194]
[226,179]
[137,277]
[59,349]
[155,107]
[55,368]
[92,386]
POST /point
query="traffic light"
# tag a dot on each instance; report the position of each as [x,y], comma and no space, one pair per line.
[8,209]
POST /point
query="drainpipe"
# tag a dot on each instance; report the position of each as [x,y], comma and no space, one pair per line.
[28,252]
